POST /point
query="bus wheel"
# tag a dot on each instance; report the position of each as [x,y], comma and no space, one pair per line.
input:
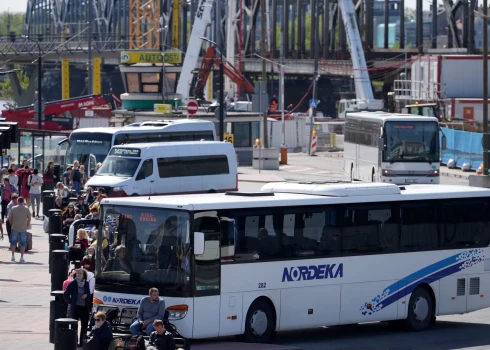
[211,191]
[419,310]
[259,323]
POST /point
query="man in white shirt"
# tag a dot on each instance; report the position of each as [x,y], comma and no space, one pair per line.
[35,181]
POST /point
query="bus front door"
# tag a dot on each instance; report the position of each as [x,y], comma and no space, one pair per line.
[92,165]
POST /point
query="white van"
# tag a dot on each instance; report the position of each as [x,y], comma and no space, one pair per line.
[167,167]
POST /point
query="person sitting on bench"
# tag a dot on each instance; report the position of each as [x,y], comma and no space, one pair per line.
[161,339]
[150,309]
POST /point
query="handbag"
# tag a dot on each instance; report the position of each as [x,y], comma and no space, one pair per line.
[90,343]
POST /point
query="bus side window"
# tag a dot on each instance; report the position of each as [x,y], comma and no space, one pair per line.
[465,223]
[419,229]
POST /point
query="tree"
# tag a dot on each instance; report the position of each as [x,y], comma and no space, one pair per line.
[11,22]
[6,90]
[410,14]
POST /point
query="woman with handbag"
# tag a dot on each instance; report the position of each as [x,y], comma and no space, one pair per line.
[101,335]
[76,295]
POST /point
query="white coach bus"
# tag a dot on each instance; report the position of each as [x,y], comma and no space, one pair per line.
[300,256]
[391,148]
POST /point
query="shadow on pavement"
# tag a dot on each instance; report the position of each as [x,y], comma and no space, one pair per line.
[443,335]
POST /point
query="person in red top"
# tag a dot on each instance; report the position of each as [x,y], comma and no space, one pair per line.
[23,175]
[6,191]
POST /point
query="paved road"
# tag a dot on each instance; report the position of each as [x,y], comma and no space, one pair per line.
[302,167]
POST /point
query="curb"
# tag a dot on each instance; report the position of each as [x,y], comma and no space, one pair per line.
[458,176]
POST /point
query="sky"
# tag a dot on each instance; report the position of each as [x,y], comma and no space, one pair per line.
[20,5]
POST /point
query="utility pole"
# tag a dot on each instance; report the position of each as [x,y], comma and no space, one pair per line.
[485,87]
[314,19]
[90,73]
[264,71]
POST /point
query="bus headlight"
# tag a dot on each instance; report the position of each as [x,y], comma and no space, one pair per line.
[388,173]
[433,173]
[177,312]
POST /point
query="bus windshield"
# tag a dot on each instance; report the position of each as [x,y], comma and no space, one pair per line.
[119,167]
[85,143]
[144,247]
[411,141]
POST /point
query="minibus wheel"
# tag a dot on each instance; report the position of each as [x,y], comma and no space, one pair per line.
[260,322]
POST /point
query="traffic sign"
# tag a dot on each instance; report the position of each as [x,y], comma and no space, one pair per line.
[192,107]
[313,103]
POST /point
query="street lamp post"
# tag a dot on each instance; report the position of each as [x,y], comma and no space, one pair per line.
[221,90]
[39,76]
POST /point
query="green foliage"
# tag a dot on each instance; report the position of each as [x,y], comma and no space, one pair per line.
[6,90]
[410,14]
[11,22]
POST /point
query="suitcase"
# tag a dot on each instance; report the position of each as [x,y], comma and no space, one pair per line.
[29,243]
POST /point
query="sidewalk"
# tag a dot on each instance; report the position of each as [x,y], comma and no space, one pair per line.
[25,295]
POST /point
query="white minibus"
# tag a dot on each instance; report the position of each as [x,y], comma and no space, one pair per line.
[167,167]
[300,256]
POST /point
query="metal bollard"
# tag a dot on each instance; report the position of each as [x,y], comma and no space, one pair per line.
[48,201]
[65,334]
[56,242]
[57,309]
[55,221]
[59,269]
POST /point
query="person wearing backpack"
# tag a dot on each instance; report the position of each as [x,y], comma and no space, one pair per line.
[76,177]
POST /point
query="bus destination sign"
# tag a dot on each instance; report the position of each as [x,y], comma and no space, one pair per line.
[126,152]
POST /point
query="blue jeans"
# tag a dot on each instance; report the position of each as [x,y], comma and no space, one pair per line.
[136,328]
[18,236]
[77,186]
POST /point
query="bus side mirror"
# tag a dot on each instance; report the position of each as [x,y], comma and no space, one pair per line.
[198,243]
[444,141]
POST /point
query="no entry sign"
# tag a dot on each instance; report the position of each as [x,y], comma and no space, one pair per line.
[192,107]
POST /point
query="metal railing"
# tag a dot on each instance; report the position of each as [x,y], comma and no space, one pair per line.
[410,90]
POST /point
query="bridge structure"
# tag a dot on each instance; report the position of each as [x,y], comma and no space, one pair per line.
[64,30]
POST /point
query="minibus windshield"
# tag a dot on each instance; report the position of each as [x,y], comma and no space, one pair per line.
[118,166]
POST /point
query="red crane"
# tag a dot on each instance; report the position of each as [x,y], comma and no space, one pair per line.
[210,58]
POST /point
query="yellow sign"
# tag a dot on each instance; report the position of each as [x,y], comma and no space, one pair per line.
[229,138]
[131,57]
[162,108]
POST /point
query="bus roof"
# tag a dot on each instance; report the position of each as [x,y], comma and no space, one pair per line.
[287,194]
[204,124]
[385,116]
[186,144]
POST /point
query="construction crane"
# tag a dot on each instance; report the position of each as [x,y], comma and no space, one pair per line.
[211,58]
[201,22]
[362,83]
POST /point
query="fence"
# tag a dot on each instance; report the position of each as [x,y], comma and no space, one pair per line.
[463,147]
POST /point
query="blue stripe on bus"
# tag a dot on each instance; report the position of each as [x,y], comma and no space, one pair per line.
[428,275]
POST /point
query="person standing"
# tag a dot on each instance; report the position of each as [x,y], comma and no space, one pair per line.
[14,180]
[35,182]
[13,202]
[49,176]
[76,295]
[67,176]
[150,309]
[6,191]
[23,175]
[76,177]
[20,219]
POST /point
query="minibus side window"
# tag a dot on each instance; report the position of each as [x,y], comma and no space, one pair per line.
[146,170]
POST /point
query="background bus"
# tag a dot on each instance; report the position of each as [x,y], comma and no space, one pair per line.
[391,148]
[299,256]
[91,145]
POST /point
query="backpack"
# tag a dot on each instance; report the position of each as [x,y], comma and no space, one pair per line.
[137,342]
